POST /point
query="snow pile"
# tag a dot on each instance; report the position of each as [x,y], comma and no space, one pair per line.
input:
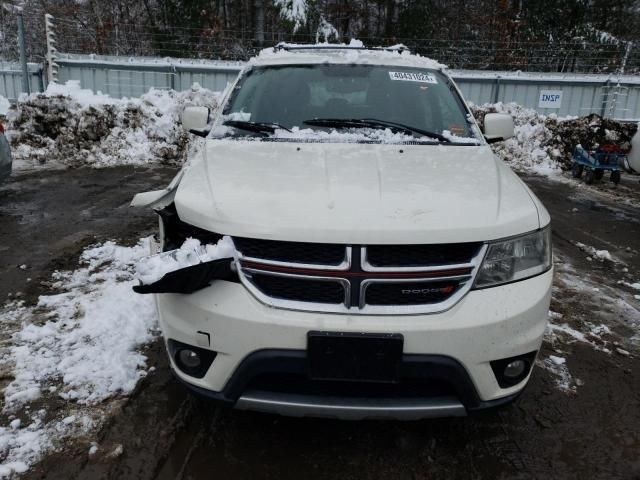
[192,252]
[71,126]
[545,143]
[23,446]
[75,336]
[78,347]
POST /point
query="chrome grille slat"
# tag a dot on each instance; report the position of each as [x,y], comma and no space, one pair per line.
[355,271]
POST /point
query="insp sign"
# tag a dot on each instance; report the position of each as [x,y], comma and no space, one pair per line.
[550,99]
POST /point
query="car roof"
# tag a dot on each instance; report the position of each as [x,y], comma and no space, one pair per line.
[353,53]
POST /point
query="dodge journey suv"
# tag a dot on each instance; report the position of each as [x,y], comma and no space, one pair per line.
[385,263]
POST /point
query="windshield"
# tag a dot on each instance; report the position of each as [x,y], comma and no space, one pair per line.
[328,97]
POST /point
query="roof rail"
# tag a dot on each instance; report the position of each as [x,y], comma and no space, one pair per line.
[325,46]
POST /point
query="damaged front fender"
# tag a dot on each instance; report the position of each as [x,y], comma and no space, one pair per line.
[158,199]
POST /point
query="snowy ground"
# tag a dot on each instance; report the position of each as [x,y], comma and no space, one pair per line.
[597,307]
[80,344]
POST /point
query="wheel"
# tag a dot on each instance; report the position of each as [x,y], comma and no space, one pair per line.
[615,176]
[599,174]
[576,170]
[589,177]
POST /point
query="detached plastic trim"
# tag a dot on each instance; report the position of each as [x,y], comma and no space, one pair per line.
[191,279]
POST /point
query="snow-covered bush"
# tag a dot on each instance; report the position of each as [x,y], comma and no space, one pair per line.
[70,126]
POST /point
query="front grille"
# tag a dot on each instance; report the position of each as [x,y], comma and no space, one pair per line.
[410,293]
[299,289]
[421,255]
[356,278]
[291,252]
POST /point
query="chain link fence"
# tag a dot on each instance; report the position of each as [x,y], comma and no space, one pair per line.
[136,40]
[132,39]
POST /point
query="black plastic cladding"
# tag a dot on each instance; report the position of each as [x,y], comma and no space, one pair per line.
[295,362]
[176,231]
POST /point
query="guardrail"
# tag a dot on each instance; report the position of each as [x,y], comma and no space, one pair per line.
[615,96]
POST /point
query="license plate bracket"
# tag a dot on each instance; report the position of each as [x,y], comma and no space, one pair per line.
[365,357]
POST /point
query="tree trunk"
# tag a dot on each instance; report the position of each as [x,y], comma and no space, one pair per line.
[259,22]
[391,13]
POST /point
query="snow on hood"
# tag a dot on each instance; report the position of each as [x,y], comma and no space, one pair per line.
[354,193]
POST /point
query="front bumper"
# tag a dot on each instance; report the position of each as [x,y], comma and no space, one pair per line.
[485,325]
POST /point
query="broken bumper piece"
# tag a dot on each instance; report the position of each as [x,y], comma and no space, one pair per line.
[191,279]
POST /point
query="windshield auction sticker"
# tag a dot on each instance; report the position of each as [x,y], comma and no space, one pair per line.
[413,77]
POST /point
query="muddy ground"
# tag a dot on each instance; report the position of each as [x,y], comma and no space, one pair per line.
[591,430]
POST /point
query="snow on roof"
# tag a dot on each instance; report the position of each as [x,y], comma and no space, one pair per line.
[354,52]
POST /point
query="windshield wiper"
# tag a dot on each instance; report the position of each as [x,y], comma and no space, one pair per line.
[258,127]
[373,123]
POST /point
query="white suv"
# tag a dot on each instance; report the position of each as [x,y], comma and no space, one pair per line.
[387,265]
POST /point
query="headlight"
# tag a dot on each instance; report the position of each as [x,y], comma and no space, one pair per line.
[515,259]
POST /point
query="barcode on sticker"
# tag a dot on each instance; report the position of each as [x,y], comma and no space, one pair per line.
[413,77]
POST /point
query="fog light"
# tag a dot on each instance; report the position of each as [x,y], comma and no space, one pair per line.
[512,370]
[189,358]
[515,369]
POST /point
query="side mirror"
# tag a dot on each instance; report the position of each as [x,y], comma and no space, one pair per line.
[498,127]
[196,120]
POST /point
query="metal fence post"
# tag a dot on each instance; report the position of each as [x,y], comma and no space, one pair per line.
[496,91]
[23,53]
[605,97]
[52,65]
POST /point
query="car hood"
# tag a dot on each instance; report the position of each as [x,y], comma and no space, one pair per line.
[354,193]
